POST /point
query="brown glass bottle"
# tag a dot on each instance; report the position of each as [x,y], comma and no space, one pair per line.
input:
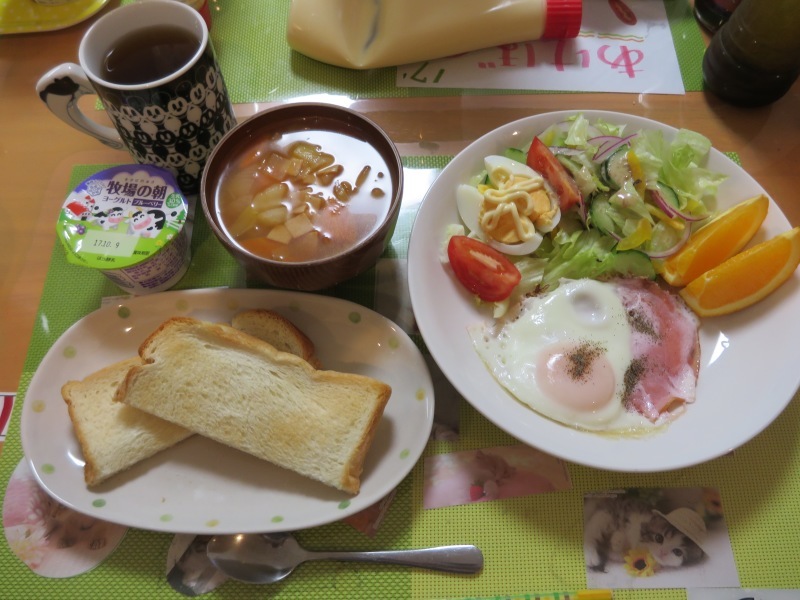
[712,14]
[755,57]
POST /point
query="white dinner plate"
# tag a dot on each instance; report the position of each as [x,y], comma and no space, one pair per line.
[747,376]
[200,486]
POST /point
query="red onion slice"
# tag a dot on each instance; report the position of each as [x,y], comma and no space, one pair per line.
[603,141]
[610,144]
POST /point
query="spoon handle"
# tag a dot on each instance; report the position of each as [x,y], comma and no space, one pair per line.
[454,559]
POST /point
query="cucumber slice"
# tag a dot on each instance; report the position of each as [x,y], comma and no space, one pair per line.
[615,170]
[602,171]
[668,194]
[515,154]
[632,263]
[610,219]
[600,215]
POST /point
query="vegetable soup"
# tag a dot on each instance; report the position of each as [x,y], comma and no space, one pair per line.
[304,195]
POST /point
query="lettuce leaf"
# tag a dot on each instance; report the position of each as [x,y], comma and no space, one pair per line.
[587,253]
[679,165]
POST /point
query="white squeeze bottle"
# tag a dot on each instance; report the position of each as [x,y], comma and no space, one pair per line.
[366,34]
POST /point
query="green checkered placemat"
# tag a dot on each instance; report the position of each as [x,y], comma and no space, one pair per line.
[250,40]
[531,544]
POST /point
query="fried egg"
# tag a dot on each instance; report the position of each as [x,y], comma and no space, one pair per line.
[565,355]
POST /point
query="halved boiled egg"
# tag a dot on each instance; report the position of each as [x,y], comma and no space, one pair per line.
[513,210]
[469,201]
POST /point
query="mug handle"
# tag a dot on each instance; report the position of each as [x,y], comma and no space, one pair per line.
[60,89]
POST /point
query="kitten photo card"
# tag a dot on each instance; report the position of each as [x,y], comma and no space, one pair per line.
[657,538]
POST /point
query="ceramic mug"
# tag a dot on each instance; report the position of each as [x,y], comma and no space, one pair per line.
[173,121]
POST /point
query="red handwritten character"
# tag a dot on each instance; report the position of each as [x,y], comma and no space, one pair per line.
[626,60]
[508,55]
[559,58]
[560,62]
[623,12]
[530,55]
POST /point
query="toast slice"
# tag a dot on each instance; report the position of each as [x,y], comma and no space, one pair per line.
[231,387]
[114,437]
[278,331]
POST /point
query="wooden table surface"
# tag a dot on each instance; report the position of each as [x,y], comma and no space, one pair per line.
[38,151]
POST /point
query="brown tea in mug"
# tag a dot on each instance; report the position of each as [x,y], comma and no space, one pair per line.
[148,54]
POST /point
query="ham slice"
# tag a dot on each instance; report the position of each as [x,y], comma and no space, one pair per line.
[662,376]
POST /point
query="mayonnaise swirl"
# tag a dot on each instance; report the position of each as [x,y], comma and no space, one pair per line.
[510,211]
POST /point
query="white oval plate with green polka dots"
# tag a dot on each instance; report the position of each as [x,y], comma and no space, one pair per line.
[200,486]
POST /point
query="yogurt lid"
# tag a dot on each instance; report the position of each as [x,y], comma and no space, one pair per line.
[121,216]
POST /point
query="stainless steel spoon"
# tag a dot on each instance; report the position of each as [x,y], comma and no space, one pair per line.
[269,558]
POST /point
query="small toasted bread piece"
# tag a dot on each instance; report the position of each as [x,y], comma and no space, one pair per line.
[278,331]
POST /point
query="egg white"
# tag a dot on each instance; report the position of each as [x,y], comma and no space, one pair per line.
[496,164]
[576,313]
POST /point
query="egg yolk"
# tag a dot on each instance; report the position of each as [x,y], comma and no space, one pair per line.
[579,377]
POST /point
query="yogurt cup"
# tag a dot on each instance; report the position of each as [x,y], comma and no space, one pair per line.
[129,223]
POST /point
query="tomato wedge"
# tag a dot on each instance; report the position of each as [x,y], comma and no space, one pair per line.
[482,269]
[540,159]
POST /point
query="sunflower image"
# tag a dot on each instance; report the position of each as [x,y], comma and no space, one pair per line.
[640,563]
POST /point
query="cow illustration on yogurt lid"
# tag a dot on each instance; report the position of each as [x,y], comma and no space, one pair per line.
[129,222]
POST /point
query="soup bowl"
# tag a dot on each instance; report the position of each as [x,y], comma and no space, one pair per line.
[334,216]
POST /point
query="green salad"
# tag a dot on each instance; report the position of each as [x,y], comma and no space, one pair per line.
[626,199]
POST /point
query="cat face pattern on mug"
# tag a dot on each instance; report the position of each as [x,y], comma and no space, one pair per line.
[176,125]
[166,111]
[657,538]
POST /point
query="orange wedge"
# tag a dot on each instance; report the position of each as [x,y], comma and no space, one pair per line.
[715,242]
[745,278]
